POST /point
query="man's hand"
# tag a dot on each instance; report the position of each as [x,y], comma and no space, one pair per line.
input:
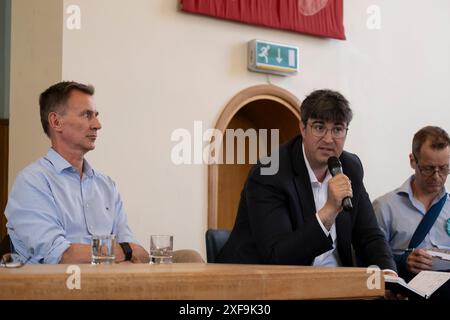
[140,255]
[76,253]
[118,252]
[419,260]
[339,187]
[388,294]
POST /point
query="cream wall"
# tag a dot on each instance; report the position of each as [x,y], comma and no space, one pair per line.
[36,62]
[157,69]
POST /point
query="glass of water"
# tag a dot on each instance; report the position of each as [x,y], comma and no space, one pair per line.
[161,249]
[102,249]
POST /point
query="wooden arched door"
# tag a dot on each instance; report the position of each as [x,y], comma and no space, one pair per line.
[260,107]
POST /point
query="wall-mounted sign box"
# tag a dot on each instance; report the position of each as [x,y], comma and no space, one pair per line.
[272,57]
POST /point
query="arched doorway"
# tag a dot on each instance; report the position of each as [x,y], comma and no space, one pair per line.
[258,107]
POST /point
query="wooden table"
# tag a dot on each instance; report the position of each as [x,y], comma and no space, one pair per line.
[186,281]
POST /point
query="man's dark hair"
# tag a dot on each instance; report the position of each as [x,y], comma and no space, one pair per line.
[326,105]
[54,99]
[438,138]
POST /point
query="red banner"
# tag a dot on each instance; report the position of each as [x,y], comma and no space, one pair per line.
[315,17]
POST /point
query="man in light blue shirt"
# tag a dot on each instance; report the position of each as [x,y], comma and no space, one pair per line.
[399,212]
[58,202]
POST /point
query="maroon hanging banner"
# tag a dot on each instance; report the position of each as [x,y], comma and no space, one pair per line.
[315,17]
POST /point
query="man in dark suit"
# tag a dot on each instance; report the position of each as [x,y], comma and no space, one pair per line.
[295,216]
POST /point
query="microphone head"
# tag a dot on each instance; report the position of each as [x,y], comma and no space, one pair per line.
[333,163]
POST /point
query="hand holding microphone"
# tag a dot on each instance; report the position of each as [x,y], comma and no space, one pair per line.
[339,194]
[341,187]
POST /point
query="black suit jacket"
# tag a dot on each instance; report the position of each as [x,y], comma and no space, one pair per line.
[276,221]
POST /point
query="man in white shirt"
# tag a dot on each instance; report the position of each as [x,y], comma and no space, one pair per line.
[296,216]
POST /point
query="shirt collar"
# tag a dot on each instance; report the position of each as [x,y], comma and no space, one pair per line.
[406,190]
[62,164]
[87,169]
[312,175]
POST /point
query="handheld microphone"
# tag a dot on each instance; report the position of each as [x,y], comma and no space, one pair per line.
[335,167]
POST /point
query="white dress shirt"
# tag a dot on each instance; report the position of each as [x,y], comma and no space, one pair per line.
[320,192]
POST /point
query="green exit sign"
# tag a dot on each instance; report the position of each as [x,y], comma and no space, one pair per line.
[272,57]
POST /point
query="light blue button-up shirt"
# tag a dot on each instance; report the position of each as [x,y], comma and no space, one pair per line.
[399,213]
[50,207]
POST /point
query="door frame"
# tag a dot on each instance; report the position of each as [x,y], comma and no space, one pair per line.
[244,97]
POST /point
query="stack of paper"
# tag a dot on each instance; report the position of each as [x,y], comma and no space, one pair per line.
[441,260]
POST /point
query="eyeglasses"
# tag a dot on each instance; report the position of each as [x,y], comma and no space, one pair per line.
[430,170]
[319,130]
[12,260]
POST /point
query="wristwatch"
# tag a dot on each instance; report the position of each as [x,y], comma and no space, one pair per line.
[127,250]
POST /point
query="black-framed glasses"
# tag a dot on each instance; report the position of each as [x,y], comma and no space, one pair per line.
[430,170]
[319,130]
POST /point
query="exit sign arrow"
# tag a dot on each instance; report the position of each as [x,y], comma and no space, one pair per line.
[279,59]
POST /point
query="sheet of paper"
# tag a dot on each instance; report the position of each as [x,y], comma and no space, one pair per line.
[441,260]
[428,282]
[442,255]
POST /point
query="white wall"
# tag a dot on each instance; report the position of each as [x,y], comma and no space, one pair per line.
[157,69]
